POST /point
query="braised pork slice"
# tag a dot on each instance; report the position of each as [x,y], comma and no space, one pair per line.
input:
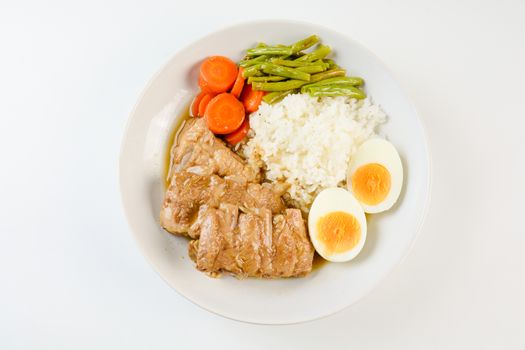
[254,245]
[198,151]
[219,241]
[188,192]
[238,225]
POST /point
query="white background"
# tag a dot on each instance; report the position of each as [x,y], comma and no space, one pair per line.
[71,277]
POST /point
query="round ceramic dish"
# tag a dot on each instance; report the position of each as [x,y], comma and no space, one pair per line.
[326,290]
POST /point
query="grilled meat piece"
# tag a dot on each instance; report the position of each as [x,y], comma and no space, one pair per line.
[198,151]
[188,192]
[255,247]
[238,225]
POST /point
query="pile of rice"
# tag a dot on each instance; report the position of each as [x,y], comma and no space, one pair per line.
[308,141]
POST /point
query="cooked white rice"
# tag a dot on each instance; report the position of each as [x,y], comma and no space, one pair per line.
[308,141]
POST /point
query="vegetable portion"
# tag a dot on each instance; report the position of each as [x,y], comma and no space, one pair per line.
[282,70]
[238,85]
[224,95]
[279,86]
[251,99]
[217,74]
[292,73]
[318,54]
[304,44]
[195,104]
[204,103]
[224,114]
[335,90]
[277,96]
[269,50]
[239,134]
[265,79]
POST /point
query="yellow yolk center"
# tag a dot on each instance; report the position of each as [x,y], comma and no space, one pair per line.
[338,232]
[371,183]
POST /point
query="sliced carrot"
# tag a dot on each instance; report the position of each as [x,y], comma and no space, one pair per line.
[195,104]
[238,85]
[239,134]
[217,74]
[204,103]
[251,99]
[224,114]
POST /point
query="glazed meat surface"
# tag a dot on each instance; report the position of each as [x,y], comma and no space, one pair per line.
[188,192]
[237,224]
[252,244]
[198,151]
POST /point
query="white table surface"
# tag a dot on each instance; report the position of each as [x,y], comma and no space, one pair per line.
[72,277]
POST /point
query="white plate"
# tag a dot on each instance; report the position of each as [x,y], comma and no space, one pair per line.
[326,290]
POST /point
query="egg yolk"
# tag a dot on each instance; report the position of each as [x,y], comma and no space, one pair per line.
[371,183]
[338,232]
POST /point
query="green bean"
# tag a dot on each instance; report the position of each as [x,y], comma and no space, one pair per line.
[305,43]
[336,90]
[312,69]
[286,72]
[352,81]
[261,45]
[265,79]
[321,62]
[331,63]
[251,62]
[327,74]
[277,96]
[290,63]
[269,50]
[279,86]
[252,70]
[319,53]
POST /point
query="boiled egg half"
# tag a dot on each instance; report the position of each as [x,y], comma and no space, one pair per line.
[375,175]
[337,225]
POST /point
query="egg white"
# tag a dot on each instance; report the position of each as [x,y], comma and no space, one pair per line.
[382,152]
[330,200]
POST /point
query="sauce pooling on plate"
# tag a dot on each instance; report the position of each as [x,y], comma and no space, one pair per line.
[171,142]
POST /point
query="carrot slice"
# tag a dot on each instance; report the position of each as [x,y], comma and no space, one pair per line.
[224,114]
[195,104]
[204,103]
[239,84]
[239,134]
[217,74]
[251,99]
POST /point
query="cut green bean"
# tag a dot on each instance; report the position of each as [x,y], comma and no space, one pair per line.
[312,69]
[252,70]
[279,86]
[352,81]
[251,62]
[265,79]
[319,53]
[322,63]
[286,72]
[281,70]
[269,50]
[305,43]
[330,62]
[290,63]
[336,90]
[327,74]
[277,96]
